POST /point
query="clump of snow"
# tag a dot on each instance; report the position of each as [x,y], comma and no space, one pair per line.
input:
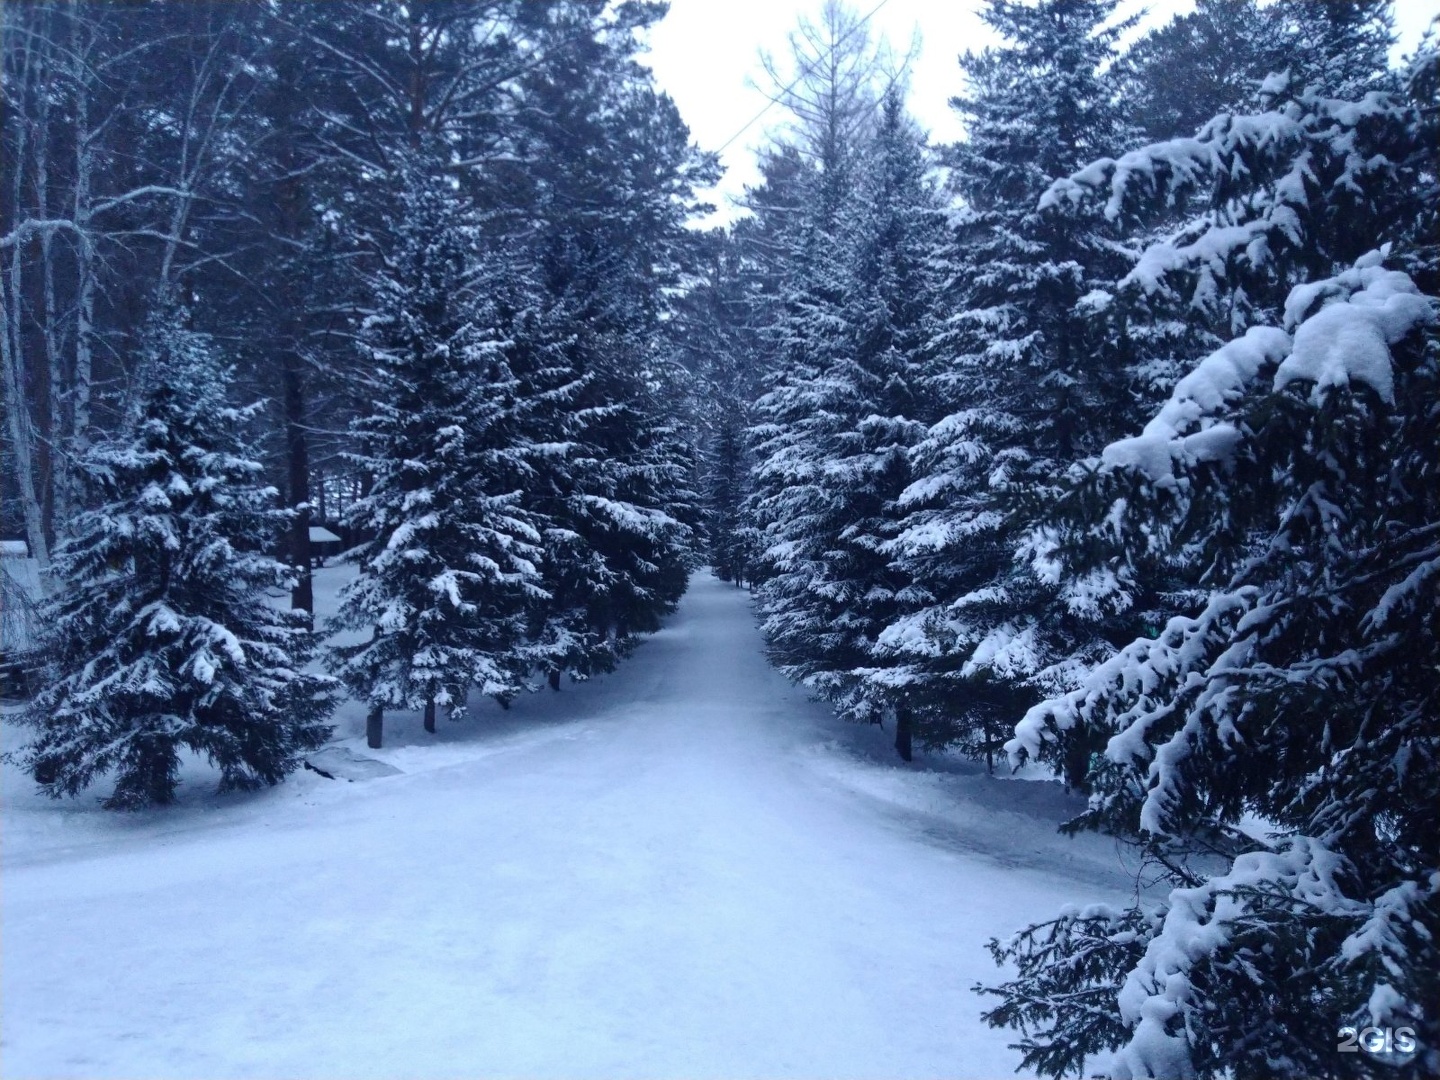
[1363,312]
[1343,329]
[1199,923]
[1186,429]
[1010,650]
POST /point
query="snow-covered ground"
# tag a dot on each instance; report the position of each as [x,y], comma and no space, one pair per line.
[682,869]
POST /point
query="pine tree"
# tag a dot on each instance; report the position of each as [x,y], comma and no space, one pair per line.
[728,485]
[610,193]
[1295,466]
[164,636]
[869,417]
[790,508]
[1214,59]
[1028,379]
[447,580]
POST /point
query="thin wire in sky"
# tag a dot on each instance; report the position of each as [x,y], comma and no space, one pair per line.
[805,70]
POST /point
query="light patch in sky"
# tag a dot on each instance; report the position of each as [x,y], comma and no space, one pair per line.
[705,54]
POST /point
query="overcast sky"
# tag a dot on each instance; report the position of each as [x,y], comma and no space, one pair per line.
[705,54]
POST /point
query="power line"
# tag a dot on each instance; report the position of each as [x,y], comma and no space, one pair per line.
[796,81]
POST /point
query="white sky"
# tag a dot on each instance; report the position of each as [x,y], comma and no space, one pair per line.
[705,52]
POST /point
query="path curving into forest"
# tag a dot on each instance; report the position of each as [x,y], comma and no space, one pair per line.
[682,869]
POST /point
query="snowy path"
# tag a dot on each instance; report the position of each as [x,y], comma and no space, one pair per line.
[683,869]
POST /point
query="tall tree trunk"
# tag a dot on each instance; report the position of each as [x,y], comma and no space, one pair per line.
[375,727]
[17,407]
[298,470]
[554,678]
[85,249]
[430,715]
[55,469]
[903,733]
[292,208]
[18,413]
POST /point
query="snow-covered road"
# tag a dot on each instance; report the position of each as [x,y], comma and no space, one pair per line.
[682,869]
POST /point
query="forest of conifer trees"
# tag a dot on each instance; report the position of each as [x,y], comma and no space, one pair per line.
[1104,439]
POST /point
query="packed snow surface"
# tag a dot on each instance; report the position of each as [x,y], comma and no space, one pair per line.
[682,869]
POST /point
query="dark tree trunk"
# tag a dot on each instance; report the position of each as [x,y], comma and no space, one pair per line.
[298,469]
[903,734]
[375,727]
[45,466]
[1077,767]
[292,209]
[430,715]
[555,679]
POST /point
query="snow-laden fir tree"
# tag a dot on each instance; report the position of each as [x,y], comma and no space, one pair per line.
[799,316]
[1275,750]
[728,482]
[1027,378]
[803,213]
[714,337]
[1213,58]
[790,508]
[451,570]
[610,190]
[168,632]
[1232,58]
[1313,185]
[867,415]
[1225,224]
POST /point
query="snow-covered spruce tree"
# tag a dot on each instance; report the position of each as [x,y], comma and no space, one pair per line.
[1027,378]
[1302,692]
[789,506]
[868,416]
[728,476]
[1228,56]
[714,337]
[1213,59]
[745,300]
[1264,201]
[448,577]
[1315,181]
[797,314]
[1296,467]
[1203,62]
[608,195]
[805,209]
[165,634]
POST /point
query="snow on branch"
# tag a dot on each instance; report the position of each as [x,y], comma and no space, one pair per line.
[1346,326]
[1310,151]
[1348,339]
[1187,429]
[1203,922]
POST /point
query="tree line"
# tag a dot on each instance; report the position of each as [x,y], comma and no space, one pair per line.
[1114,449]
[438,245]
